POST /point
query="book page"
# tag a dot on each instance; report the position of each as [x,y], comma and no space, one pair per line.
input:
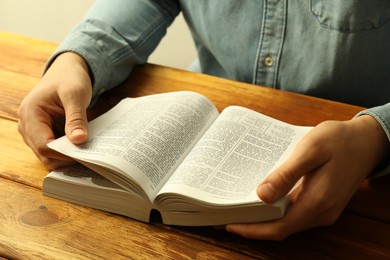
[234,156]
[80,185]
[144,139]
[81,175]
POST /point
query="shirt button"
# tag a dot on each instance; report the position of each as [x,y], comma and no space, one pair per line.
[268,61]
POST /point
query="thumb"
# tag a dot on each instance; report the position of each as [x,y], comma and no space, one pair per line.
[305,158]
[76,124]
[278,183]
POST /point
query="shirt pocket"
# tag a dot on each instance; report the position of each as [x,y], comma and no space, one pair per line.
[351,15]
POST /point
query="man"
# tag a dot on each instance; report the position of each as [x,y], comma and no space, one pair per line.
[331,49]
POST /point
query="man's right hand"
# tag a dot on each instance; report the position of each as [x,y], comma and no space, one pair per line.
[63,94]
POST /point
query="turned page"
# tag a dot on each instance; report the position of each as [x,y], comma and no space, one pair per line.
[233,157]
[144,139]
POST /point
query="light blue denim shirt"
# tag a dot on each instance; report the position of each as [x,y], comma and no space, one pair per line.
[333,49]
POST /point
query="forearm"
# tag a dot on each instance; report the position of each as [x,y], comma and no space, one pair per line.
[116,35]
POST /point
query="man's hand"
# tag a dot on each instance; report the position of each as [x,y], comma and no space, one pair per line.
[331,161]
[65,91]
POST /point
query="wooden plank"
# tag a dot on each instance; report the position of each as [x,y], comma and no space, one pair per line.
[23,59]
[19,164]
[371,199]
[24,55]
[21,65]
[351,236]
[13,88]
[365,233]
[150,79]
[34,226]
[31,172]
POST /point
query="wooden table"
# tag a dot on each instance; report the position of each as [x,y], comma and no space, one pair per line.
[34,226]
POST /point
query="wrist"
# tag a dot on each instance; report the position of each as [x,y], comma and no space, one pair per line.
[74,60]
[70,60]
[378,145]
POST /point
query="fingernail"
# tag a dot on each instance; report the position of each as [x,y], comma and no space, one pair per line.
[267,192]
[78,136]
[77,132]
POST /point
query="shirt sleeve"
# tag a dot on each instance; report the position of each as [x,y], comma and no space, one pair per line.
[382,115]
[116,35]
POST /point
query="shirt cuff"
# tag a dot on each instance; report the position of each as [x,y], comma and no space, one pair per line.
[382,115]
[95,59]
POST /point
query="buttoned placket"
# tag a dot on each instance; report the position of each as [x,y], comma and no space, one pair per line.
[270,43]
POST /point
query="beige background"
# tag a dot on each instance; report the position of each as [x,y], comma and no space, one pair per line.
[53,19]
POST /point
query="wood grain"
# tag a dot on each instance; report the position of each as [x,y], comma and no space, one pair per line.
[21,64]
[17,161]
[149,79]
[37,227]
[33,226]
[19,164]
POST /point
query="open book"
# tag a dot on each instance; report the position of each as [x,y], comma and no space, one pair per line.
[176,154]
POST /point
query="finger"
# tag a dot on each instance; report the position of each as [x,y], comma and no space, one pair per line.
[38,144]
[273,230]
[53,159]
[55,164]
[306,157]
[76,124]
[301,215]
[35,134]
[270,230]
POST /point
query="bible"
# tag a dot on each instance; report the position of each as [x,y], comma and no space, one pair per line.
[176,154]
